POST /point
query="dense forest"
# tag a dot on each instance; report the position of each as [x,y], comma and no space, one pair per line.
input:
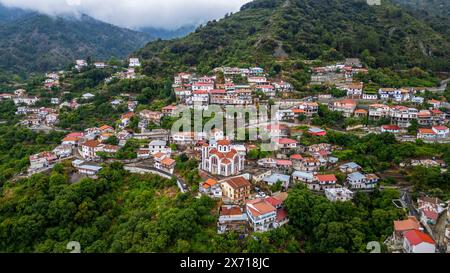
[120,212]
[266,31]
[39,43]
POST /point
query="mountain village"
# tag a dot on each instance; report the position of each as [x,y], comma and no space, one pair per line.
[252,191]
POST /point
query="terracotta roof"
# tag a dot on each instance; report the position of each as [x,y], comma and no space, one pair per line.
[326,177]
[296,156]
[68,138]
[230,211]
[105,127]
[298,111]
[226,161]
[281,214]
[405,225]
[127,115]
[282,196]
[238,182]
[284,162]
[260,207]
[159,155]
[223,142]
[440,128]
[426,131]
[209,183]
[391,127]
[285,141]
[416,237]
[91,143]
[75,134]
[168,161]
[273,201]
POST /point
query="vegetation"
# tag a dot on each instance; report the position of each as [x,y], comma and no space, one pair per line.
[122,212]
[267,31]
[57,42]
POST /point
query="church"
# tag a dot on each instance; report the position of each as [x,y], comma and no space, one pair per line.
[220,158]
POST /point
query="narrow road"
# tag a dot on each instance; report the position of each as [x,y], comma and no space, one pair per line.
[441,88]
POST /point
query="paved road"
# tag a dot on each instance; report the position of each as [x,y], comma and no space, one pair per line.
[441,88]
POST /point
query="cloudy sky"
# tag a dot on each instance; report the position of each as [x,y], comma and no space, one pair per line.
[168,14]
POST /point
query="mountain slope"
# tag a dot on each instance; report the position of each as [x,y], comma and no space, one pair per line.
[40,43]
[11,14]
[165,34]
[266,30]
[433,7]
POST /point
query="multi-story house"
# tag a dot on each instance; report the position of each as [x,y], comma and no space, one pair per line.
[416,241]
[378,111]
[164,163]
[159,146]
[338,194]
[90,148]
[347,107]
[402,115]
[236,189]
[232,218]
[309,108]
[261,215]
[358,180]
[395,94]
[285,143]
[354,90]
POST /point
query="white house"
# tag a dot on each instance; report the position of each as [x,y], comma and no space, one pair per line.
[261,215]
[159,146]
[134,62]
[338,194]
[416,241]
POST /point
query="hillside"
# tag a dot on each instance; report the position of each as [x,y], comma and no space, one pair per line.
[38,43]
[166,34]
[264,31]
[11,14]
[433,7]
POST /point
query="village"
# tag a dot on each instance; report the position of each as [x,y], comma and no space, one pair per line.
[251,191]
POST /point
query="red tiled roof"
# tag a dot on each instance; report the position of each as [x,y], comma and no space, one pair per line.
[426,131]
[405,225]
[91,143]
[105,127]
[391,127]
[223,142]
[296,156]
[326,177]
[285,141]
[284,162]
[440,128]
[416,237]
[167,161]
[274,202]
[230,211]
[208,183]
[260,207]
[238,182]
[127,115]
[281,214]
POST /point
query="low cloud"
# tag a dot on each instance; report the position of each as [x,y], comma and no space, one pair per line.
[169,14]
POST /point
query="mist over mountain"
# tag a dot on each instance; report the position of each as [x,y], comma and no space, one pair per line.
[33,42]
